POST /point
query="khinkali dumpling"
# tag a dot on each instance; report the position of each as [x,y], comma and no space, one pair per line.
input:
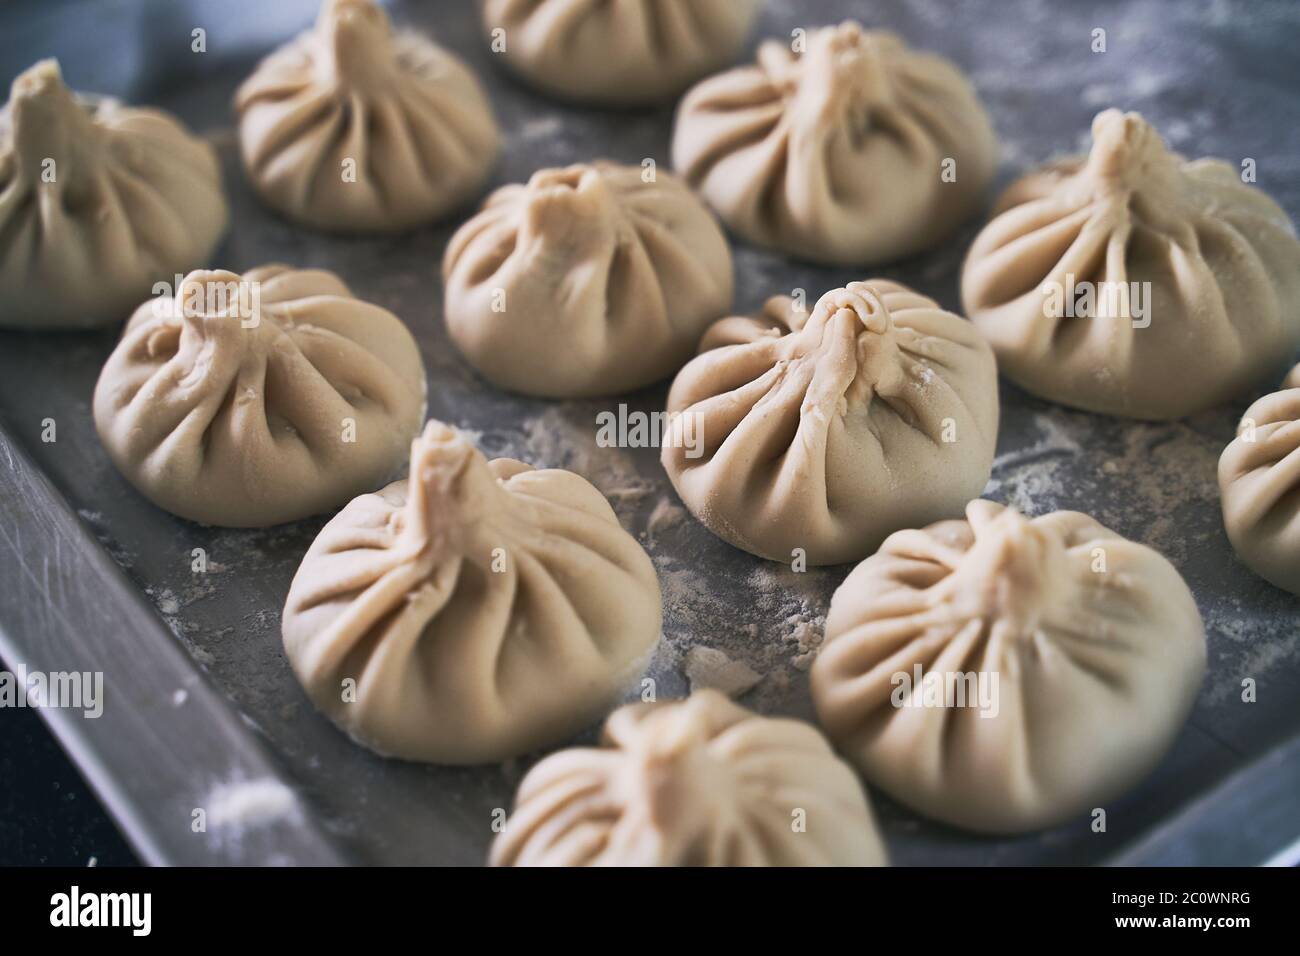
[354,128]
[696,782]
[476,611]
[1006,674]
[251,400]
[857,150]
[1259,483]
[589,280]
[617,51]
[827,432]
[1132,282]
[98,201]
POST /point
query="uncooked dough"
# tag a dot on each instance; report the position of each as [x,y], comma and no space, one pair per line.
[354,128]
[1101,281]
[1259,484]
[479,610]
[856,152]
[624,52]
[698,782]
[252,400]
[711,669]
[827,432]
[1006,674]
[595,279]
[98,201]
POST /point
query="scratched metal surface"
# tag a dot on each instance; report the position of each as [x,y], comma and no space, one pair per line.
[1218,78]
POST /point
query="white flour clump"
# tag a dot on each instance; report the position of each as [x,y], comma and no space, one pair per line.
[807,636]
[709,668]
[239,806]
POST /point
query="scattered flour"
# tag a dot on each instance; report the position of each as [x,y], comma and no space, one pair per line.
[540,128]
[798,600]
[769,620]
[1026,478]
[665,515]
[564,436]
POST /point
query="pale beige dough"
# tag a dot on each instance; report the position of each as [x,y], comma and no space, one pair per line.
[1094,641]
[594,279]
[1221,259]
[1259,485]
[616,52]
[245,412]
[480,609]
[355,128]
[855,151]
[98,201]
[1292,379]
[696,782]
[827,432]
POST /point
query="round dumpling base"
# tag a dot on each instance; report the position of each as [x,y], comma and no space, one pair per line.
[799,436]
[1102,280]
[1006,674]
[473,612]
[134,198]
[253,400]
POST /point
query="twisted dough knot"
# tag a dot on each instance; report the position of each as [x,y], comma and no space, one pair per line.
[1012,573]
[451,491]
[1127,152]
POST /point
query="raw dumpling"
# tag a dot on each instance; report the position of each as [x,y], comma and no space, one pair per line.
[354,128]
[98,201]
[1104,281]
[828,432]
[854,151]
[588,280]
[1006,674]
[697,782]
[477,611]
[247,401]
[1259,483]
[622,52]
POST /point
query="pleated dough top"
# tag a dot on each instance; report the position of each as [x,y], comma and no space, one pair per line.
[98,201]
[1193,276]
[352,127]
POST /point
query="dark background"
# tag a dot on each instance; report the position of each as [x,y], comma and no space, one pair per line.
[48,816]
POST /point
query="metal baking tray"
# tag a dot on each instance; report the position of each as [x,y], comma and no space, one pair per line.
[201,710]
